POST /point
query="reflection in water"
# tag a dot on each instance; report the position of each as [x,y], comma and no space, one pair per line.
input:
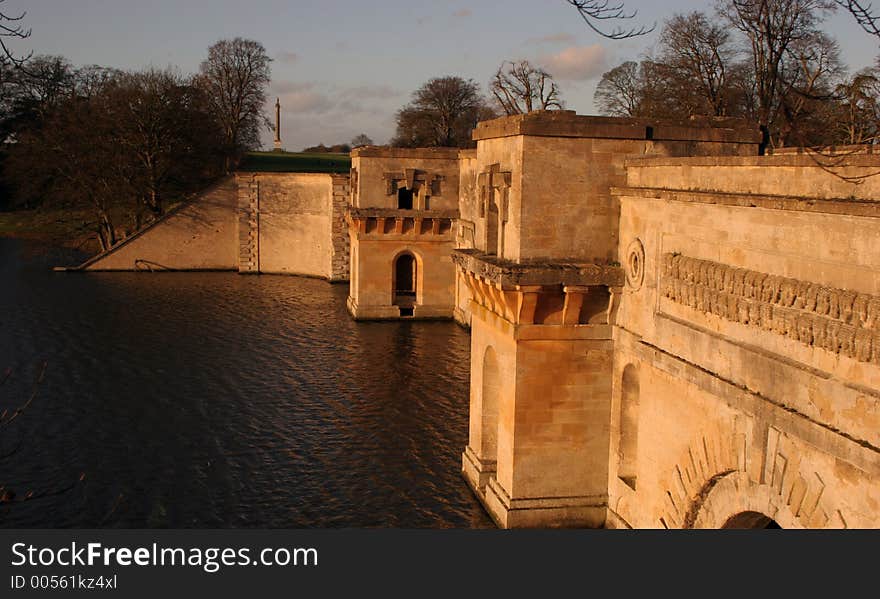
[215,400]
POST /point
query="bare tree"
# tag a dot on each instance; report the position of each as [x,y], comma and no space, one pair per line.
[519,87]
[594,12]
[235,77]
[116,146]
[811,70]
[772,28]
[701,53]
[619,93]
[442,113]
[361,140]
[858,117]
[162,125]
[11,26]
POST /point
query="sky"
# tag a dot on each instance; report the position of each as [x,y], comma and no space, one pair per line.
[341,68]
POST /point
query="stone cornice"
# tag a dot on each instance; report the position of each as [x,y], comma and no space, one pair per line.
[512,274]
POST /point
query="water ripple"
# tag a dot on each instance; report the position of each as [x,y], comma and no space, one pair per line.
[214,400]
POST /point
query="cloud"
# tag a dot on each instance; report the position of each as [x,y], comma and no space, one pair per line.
[370,92]
[462,13]
[298,98]
[288,57]
[289,87]
[328,112]
[553,38]
[576,63]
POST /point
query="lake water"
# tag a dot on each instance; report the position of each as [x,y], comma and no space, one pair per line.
[218,400]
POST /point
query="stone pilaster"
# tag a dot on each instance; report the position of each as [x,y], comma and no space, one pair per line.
[540,405]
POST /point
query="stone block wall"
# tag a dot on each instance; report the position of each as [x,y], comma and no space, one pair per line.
[293,223]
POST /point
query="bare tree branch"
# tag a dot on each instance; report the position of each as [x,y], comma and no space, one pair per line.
[12,27]
[602,10]
[6,418]
[864,15]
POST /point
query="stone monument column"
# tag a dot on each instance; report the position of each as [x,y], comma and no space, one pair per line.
[278,124]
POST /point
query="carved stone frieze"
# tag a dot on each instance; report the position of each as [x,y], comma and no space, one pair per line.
[837,320]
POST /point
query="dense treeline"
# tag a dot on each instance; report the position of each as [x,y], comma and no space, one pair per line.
[767,61]
[119,146]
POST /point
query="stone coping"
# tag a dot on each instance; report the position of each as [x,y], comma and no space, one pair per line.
[286,174]
[389,152]
[847,206]
[778,160]
[843,150]
[356,212]
[545,272]
[565,123]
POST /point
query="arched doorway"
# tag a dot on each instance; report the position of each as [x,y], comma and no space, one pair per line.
[491,390]
[404,283]
[751,520]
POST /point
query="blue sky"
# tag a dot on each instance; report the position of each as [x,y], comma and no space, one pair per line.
[345,67]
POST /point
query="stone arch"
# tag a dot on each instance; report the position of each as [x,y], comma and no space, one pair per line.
[490,400]
[750,521]
[628,419]
[712,485]
[736,501]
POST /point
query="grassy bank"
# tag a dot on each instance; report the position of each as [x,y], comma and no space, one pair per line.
[62,227]
[50,224]
[295,162]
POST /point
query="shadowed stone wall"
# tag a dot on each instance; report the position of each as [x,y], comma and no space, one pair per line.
[198,235]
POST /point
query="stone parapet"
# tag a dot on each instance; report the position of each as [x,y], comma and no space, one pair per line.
[806,176]
[792,159]
[566,123]
[847,206]
[421,153]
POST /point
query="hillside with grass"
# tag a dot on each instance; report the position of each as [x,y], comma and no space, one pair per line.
[295,162]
